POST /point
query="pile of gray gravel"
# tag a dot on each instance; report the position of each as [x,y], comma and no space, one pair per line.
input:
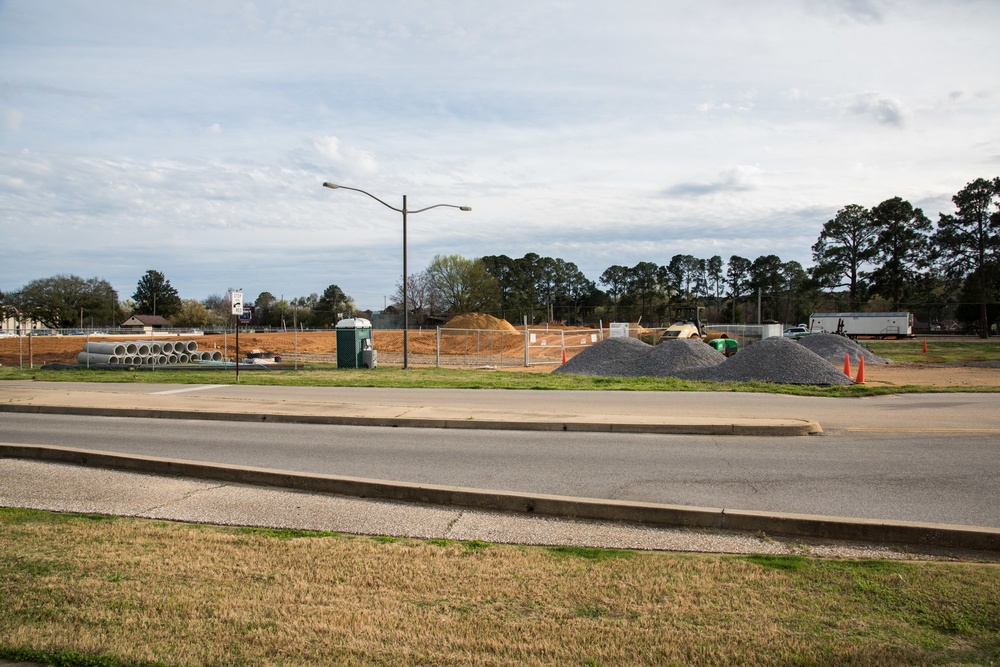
[680,354]
[778,360]
[628,357]
[833,348]
[612,357]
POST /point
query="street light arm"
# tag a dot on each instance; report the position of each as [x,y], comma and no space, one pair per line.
[334,186]
[405,212]
[460,208]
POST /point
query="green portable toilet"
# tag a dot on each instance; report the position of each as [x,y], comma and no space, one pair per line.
[354,343]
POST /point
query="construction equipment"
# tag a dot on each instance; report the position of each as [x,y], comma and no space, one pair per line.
[687,324]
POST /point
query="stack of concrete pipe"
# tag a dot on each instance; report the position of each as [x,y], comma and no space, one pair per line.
[144,353]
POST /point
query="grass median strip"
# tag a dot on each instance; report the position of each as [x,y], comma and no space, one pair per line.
[449,378]
[89,590]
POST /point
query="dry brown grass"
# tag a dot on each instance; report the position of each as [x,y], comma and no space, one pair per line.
[184,594]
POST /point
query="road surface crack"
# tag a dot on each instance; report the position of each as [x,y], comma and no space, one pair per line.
[185,496]
[451,524]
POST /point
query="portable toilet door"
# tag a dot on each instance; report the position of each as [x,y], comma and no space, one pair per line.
[351,336]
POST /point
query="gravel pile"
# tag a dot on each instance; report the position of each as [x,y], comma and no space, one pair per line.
[779,360]
[612,357]
[833,348]
[628,357]
[680,354]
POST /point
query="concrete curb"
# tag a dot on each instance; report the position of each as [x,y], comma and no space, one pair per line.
[793,427]
[792,525]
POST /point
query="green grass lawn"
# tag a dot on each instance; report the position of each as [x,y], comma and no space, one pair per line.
[974,349]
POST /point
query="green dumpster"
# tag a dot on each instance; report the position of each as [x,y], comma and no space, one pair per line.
[354,343]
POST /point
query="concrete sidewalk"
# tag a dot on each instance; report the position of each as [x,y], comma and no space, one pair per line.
[49,485]
[363,408]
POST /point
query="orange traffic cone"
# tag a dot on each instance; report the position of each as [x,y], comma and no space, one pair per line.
[564,355]
[847,365]
[925,346]
[861,371]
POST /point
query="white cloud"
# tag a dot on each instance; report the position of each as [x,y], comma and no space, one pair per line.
[859,11]
[349,160]
[602,134]
[712,107]
[885,110]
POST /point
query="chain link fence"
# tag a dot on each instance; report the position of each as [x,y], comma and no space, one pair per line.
[481,348]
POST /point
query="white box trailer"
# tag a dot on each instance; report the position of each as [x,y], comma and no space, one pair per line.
[852,325]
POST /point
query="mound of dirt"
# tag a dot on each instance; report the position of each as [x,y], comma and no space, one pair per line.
[479,321]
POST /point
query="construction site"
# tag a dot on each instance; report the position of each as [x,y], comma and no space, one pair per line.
[484,342]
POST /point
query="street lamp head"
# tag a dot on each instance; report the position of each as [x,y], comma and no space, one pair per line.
[332,186]
[464,208]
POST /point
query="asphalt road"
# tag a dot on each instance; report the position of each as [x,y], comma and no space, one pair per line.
[911,474]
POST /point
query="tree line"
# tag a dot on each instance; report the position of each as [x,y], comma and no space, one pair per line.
[888,257]
[69,301]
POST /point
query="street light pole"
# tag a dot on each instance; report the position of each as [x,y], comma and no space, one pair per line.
[404,211]
[406,303]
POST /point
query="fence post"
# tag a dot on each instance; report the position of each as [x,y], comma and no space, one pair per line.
[525,342]
[437,348]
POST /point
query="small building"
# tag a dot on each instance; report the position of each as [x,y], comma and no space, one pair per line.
[146,323]
[12,325]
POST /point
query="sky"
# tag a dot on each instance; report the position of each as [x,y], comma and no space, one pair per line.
[193,137]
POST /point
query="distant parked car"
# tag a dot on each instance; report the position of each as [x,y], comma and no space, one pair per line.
[793,332]
[76,332]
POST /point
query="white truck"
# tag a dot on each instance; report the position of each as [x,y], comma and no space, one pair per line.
[852,325]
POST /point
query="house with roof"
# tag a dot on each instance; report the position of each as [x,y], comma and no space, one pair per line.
[146,323]
[12,325]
